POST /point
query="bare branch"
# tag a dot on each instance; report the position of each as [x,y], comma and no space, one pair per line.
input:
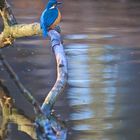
[61,71]
[22,30]
[12,30]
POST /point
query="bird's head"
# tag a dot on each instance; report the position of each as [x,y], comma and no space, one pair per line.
[53,4]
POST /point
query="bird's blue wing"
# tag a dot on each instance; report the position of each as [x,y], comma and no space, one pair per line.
[48,17]
[42,24]
[51,16]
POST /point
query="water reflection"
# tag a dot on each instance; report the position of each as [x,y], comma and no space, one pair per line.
[92,86]
[102,101]
[101,80]
[79,94]
[89,36]
[103,69]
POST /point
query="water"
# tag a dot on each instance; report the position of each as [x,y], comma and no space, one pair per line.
[102,47]
[101,38]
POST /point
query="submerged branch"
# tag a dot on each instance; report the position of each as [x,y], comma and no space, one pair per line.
[9,113]
[20,86]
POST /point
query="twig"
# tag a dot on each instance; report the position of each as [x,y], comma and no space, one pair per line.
[20,86]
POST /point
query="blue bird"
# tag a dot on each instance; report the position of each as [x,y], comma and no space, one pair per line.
[50,17]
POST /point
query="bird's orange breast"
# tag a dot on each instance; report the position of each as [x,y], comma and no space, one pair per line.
[57,21]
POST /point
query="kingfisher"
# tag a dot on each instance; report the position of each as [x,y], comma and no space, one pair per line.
[50,17]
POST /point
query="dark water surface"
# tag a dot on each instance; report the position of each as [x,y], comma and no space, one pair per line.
[102,45]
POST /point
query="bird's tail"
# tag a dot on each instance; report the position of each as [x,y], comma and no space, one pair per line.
[44,31]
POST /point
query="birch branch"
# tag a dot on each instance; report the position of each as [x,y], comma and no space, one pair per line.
[61,72]
[42,120]
[12,30]
[16,31]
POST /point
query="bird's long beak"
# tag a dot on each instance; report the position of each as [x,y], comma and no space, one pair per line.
[59,3]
